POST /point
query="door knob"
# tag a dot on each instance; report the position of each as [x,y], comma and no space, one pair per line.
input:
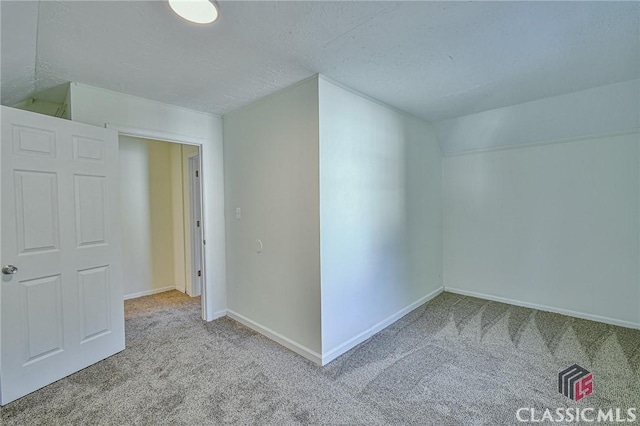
[9,270]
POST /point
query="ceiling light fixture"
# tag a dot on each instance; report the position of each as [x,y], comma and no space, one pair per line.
[197,11]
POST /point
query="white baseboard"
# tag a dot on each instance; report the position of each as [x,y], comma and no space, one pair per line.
[581,315]
[149,292]
[218,314]
[356,340]
[277,337]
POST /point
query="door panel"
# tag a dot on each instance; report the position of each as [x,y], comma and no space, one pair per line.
[34,142]
[36,195]
[63,310]
[94,302]
[42,316]
[87,149]
[90,210]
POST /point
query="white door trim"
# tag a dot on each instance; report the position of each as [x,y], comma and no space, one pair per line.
[154,134]
[185,140]
[196,264]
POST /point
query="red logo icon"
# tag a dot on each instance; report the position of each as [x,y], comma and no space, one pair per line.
[575,382]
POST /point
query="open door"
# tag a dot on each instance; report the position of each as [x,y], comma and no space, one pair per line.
[61,295]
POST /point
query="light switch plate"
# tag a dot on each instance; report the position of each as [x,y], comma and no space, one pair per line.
[238,213]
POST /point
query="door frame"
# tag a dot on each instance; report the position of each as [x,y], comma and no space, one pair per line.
[193,160]
[183,140]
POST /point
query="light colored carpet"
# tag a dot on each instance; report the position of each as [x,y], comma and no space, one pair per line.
[456,360]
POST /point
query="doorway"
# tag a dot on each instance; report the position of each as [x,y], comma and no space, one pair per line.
[161,217]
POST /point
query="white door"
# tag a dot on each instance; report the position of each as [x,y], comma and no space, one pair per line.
[196,225]
[63,309]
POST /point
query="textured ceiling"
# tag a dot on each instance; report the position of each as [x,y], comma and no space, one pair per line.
[18,48]
[434,60]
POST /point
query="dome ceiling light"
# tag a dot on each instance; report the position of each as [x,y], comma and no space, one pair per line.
[196,11]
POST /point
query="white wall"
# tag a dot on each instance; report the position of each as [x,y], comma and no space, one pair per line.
[147,216]
[98,107]
[271,173]
[552,226]
[380,215]
[597,112]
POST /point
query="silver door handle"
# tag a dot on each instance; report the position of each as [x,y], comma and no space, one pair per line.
[9,270]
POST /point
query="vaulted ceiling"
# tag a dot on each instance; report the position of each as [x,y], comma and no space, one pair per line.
[434,60]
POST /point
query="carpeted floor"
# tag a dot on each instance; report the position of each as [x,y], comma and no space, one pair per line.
[454,361]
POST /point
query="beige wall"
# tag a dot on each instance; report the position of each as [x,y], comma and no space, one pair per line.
[271,173]
[178,217]
[151,191]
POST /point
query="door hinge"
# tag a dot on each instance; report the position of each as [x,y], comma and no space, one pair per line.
[197,173]
[198,223]
[199,273]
